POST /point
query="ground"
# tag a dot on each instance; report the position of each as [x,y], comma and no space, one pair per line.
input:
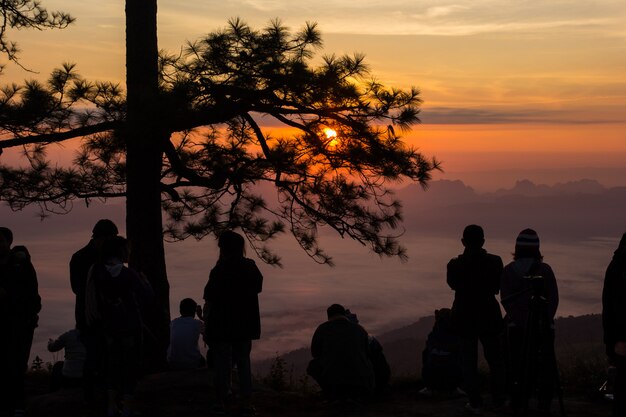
[189,394]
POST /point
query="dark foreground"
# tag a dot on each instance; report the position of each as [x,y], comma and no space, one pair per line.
[189,394]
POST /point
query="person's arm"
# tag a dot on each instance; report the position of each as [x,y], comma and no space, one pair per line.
[552,290]
[317,344]
[58,344]
[498,267]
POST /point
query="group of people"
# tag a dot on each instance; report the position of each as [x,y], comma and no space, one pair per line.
[519,347]
[112,301]
[106,347]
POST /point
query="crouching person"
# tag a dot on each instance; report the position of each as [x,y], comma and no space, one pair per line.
[341,364]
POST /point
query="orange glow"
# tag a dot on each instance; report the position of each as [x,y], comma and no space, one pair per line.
[331,135]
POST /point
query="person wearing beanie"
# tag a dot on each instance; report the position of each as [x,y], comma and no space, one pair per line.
[475,278]
[614,323]
[527,276]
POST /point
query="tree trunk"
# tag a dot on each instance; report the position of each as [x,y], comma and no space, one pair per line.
[143,172]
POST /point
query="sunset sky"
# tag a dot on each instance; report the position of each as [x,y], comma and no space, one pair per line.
[512,89]
[530,89]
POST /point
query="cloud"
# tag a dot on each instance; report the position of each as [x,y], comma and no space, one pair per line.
[454,116]
[429,17]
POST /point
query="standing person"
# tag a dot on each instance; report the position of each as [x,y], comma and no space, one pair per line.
[614,323]
[114,297]
[91,336]
[532,362]
[19,308]
[233,318]
[475,278]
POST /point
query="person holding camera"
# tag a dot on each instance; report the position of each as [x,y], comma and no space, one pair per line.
[530,297]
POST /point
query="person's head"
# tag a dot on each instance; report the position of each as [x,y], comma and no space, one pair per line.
[103,229]
[115,247]
[188,307]
[527,245]
[335,310]
[473,237]
[6,240]
[232,245]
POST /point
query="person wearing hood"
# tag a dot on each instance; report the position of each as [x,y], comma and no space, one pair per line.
[525,277]
[614,323]
[114,298]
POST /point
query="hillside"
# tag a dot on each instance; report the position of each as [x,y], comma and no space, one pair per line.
[575,337]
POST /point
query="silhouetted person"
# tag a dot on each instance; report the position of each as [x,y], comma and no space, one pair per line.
[185,331]
[92,337]
[69,371]
[517,288]
[113,300]
[19,308]
[382,371]
[233,318]
[475,278]
[441,358]
[614,323]
[341,364]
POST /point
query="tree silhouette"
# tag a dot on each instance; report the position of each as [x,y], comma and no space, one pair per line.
[193,139]
[21,14]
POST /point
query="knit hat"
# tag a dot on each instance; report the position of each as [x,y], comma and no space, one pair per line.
[527,238]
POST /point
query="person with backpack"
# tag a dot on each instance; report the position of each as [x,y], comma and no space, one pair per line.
[232,319]
[115,295]
[19,308]
[475,278]
[90,336]
[529,278]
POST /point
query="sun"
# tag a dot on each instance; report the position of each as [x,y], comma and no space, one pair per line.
[331,135]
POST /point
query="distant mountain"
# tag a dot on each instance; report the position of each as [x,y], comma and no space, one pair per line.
[529,189]
[573,210]
[403,347]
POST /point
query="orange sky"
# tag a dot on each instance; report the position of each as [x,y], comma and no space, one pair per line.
[500,80]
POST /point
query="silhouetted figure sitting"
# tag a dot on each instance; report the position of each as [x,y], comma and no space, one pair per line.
[114,297]
[19,308]
[185,331]
[341,364]
[441,358]
[382,371]
[69,371]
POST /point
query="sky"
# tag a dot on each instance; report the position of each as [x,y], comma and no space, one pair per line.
[530,88]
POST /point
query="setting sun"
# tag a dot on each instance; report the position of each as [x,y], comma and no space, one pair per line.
[331,135]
